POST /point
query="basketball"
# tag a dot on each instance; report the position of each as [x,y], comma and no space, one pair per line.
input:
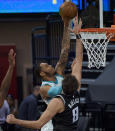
[68,10]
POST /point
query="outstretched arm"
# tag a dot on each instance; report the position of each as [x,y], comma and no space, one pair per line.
[77,63]
[7,79]
[64,51]
[55,106]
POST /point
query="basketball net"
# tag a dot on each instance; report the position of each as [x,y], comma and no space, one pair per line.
[95,44]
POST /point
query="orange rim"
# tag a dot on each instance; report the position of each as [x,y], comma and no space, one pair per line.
[101,30]
[112,26]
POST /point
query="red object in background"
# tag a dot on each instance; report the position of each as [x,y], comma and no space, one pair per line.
[114,19]
[4,50]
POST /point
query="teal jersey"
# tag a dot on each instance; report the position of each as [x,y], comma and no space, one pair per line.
[56,84]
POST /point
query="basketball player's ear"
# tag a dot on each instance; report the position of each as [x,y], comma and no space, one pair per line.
[42,74]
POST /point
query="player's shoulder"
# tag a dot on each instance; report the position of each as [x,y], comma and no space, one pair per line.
[44,87]
[61,98]
[59,76]
[44,91]
[57,101]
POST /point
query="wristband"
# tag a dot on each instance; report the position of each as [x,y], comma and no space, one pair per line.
[78,36]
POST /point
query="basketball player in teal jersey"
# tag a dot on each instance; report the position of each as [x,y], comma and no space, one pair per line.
[52,78]
[7,79]
[53,107]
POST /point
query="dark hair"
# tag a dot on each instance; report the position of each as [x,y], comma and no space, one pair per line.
[38,70]
[37,76]
[36,88]
[10,96]
[69,85]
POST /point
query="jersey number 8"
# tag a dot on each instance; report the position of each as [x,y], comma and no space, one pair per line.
[75,114]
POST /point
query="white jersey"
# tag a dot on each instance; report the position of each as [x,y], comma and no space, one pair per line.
[49,126]
[4,111]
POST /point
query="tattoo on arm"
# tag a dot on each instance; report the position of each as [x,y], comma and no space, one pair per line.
[64,51]
[66,39]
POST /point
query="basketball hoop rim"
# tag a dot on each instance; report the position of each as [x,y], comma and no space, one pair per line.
[99,31]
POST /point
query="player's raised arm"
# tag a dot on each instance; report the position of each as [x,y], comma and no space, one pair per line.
[64,51]
[48,114]
[77,63]
[68,10]
[7,79]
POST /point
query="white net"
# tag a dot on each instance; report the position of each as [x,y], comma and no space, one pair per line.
[96,47]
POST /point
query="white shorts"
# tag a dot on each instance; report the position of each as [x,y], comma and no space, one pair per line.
[48,126]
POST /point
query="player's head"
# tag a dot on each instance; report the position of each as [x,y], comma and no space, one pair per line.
[36,90]
[45,70]
[69,85]
[10,100]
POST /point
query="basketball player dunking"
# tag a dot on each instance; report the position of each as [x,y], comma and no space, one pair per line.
[52,78]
